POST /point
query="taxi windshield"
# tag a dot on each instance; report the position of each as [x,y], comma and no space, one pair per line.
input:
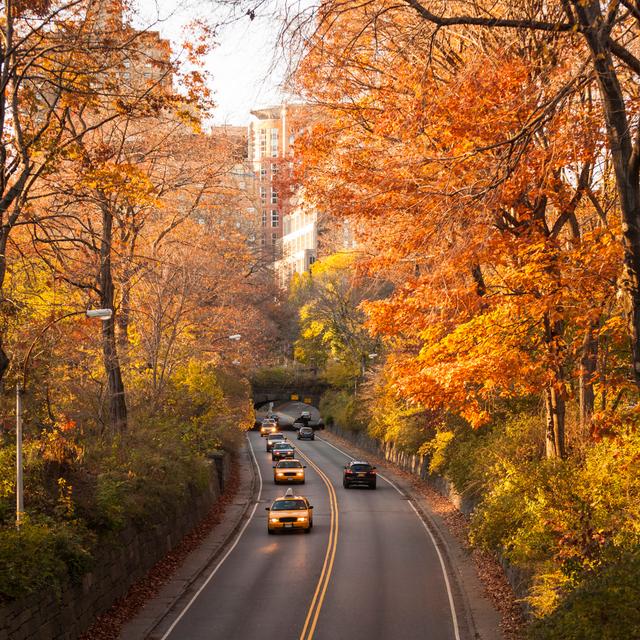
[289,464]
[289,505]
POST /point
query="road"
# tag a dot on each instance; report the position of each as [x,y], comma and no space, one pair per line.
[368,570]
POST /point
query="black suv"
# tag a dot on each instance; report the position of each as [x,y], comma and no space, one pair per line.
[359,472]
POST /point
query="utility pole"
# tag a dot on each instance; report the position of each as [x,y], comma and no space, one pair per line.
[19,478]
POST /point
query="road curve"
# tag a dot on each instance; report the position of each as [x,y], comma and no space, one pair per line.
[367,570]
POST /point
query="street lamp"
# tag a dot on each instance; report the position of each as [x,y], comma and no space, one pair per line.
[101,314]
[235,337]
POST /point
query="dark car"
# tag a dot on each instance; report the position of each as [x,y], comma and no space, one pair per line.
[358,472]
[306,433]
[274,438]
[282,450]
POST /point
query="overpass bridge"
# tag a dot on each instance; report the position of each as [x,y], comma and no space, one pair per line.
[305,391]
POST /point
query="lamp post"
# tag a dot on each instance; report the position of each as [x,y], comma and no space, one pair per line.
[101,314]
[363,368]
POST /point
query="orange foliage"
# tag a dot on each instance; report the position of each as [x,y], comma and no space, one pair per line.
[476,180]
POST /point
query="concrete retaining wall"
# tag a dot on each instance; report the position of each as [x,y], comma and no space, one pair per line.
[118,564]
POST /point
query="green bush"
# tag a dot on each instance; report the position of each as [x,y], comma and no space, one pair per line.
[603,606]
[42,554]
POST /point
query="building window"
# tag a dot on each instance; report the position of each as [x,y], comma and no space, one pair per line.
[275,218]
[264,217]
[274,143]
[274,196]
[263,241]
[263,173]
[274,168]
[274,239]
[263,194]
[263,142]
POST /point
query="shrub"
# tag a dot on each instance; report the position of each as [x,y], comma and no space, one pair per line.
[42,553]
[603,605]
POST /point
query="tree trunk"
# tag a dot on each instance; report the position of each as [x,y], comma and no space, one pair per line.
[117,398]
[124,319]
[4,235]
[554,437]
[588,364]
[625,155]
[4,361]
[554,396]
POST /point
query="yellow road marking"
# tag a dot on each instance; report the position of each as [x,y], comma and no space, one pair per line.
[325,575]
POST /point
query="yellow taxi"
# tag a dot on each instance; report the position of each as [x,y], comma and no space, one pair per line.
[288,471]
[268,427]
[290,512]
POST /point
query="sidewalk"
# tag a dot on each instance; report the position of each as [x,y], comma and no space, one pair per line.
[477,617]
[200,559]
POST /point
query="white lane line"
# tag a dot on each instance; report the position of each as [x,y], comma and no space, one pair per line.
[228,553]
[452,606]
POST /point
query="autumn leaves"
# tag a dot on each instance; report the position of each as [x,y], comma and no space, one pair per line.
[481,177]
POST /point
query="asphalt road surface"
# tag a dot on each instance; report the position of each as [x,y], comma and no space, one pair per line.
[368,569]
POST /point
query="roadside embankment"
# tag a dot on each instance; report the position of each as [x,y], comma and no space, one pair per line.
[119,560]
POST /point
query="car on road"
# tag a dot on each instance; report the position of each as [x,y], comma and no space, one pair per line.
[282,450]
[290,512]
[306,433]
[289,470]
[272,438]
[302,420]
[268,426]
[359,472]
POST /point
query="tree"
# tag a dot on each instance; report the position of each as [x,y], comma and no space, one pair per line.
[331,320]
[598,36]
[479,168]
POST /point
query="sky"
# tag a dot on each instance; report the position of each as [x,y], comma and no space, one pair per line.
[240,66]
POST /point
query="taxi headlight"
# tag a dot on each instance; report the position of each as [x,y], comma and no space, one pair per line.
[274,519]
[301,519]
[279,473]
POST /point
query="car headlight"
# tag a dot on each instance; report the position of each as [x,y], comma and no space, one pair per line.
[298,473]
[279,474]
[274,519]
[301,519]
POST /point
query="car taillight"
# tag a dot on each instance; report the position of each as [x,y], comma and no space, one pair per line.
[348,472]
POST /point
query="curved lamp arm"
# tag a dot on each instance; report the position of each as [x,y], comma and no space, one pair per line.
[102,314]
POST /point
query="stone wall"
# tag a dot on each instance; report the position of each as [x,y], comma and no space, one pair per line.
[119,562]
[419,466]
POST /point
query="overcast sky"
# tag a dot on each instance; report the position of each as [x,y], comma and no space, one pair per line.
[240,66]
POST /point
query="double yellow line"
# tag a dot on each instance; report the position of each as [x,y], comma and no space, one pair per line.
[325,575]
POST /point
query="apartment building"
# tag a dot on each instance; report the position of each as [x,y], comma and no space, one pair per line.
[299,243]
